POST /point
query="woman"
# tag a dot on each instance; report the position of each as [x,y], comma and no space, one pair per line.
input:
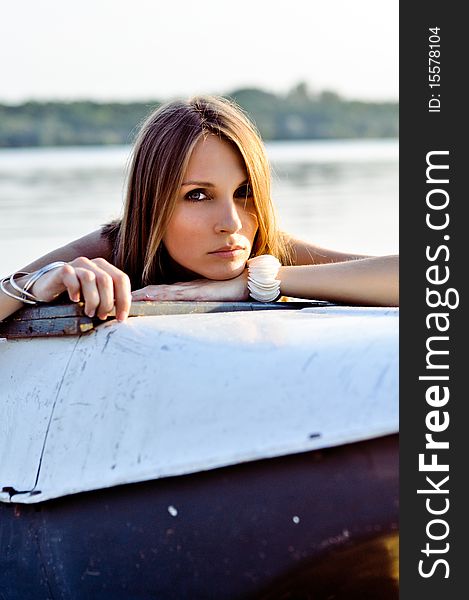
[198,207]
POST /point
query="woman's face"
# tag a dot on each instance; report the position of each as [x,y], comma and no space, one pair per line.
[214,222]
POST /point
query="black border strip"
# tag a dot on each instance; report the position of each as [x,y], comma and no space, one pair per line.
[421,132]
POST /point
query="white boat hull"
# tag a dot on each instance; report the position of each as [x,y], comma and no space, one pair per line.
[171,395]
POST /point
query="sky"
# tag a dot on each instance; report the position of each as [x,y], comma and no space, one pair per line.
[158,49]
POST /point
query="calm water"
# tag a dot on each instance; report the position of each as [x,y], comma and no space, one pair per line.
[339,194]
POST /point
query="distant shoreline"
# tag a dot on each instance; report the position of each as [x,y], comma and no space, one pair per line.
[297,115]
[128,145]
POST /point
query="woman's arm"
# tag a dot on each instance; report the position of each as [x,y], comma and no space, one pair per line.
[92,245]
[87,275]
[306,253]
[325,274]
[367,282]
[370,281]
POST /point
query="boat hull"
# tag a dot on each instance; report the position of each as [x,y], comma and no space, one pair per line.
[311,525]
[172,395]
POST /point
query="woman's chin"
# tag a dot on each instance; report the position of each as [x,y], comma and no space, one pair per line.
[227,272]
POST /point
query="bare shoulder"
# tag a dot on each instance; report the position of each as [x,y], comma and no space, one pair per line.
[92,245]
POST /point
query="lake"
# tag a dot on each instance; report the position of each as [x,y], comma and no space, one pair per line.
[341,194]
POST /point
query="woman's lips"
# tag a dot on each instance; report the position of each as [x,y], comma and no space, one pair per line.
[227,252]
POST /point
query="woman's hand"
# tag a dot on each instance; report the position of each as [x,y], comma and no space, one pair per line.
[98,283]
[199,290]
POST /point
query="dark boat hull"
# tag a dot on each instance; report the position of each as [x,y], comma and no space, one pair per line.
[314,525]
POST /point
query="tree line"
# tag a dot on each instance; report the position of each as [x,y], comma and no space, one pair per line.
[298,114]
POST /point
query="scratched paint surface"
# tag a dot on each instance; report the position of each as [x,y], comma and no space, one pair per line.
[31,375]
[160,396]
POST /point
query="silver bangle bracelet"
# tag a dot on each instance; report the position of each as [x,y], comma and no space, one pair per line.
[20,290]
[39,273]
[9,279]
[23,294]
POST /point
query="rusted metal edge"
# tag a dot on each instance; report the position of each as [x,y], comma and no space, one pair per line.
[61,326]
[69,319]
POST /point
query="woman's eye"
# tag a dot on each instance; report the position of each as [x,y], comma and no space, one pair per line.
[196,195]
[244,191]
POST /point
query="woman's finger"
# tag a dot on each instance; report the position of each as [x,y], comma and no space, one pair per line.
[143,294]
[121,288]
[105,286]
[71,282]
[89,289]
[155,292]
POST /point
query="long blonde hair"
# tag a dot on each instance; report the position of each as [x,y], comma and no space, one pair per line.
[160,157]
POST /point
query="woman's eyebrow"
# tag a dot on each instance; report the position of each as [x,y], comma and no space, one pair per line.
[204,183]
[207,183]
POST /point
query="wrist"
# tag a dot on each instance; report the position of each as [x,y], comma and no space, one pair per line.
[280,276]
[13,286]
[18,285]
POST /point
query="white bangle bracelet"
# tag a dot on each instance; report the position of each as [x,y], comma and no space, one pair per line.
[262,283]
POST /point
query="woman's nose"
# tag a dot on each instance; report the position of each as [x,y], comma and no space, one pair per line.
[228,218]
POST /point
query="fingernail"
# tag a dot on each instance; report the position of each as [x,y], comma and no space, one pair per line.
[122,316]
[89,313]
